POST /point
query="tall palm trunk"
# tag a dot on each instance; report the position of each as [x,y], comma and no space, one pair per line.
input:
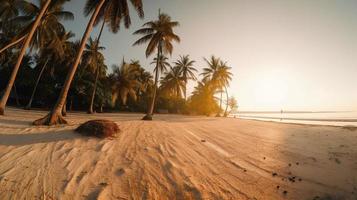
[150,112]
[21,55]
[185,88]
[220,103]
[225,111]
[55,116]
[178,93]
[28,107]
[13,43]
[16,95]
[90,109]
[220,106]
[64,109]
[100,32]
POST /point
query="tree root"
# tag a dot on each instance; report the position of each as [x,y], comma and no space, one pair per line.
[50,119]
[147,117]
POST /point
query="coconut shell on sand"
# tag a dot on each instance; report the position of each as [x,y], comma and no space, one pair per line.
[99,128]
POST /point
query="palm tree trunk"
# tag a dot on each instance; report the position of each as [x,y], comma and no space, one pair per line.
[220,106]
[100,32]
[185,88]
[220,103]
[16,96]
[64,109]
[21,55]
[178,94]
[101,108]
[13,43]
[150,112]
[55,116]
[90,110]
[225,111]
[28,107]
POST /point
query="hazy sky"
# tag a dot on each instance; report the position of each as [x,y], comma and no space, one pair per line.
[289,54]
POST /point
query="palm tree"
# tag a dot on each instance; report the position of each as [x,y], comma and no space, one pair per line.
[173,83]
[144,77]
[162,64]
[210,74]
[202,99]
[233,104]
[159,35]
[21,55]
[55,51]
[224,76]
[213,65]
[50,23]
[8,10]
[219,74]
[124,82]
[187,70]
[93,58]
[116,9]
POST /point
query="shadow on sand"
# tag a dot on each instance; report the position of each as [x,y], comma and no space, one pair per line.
[34,138]
[16,122]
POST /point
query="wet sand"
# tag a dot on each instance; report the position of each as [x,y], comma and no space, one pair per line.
[176,157]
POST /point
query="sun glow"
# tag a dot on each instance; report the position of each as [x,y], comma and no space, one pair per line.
[271,89]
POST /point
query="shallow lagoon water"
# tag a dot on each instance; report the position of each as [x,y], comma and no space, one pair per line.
[335,118]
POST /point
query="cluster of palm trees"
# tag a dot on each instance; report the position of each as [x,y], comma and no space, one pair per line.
[32,32]
[216,79]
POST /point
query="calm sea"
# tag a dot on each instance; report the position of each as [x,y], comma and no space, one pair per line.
[323,118]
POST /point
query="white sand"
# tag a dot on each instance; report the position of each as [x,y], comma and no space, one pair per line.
[167,159]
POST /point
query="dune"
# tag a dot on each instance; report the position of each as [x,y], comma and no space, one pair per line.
[175,157]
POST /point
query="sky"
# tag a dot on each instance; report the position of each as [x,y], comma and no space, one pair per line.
[285,54]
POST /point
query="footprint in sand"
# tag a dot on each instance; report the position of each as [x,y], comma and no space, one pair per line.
[120,172]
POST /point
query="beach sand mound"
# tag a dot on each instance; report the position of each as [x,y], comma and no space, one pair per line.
[99,128]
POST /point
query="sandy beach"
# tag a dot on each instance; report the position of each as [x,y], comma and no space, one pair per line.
[175,157]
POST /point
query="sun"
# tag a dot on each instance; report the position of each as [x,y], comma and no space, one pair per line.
[271,90]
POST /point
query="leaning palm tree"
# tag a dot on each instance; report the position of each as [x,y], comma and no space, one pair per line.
[188,71]
[21,55]
[159,35]
[117,10]
[93,58]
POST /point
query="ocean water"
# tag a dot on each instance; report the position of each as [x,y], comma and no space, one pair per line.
[335,118]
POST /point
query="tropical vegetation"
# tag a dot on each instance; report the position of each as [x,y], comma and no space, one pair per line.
[42,62]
